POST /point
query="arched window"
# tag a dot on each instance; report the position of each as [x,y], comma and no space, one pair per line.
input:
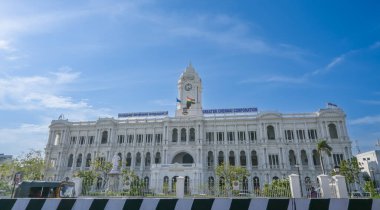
[304,158]
[70,162]
[104,137]
[157,159]
[222,185]
[210,159]
[220,158]
[120,158]
[138,159]
[175,135]
[147,159]
[245,185]
[270,132]
[333,132]
[165,185]
[174,182]
[99,183]
[187,185]
[57,138]
[275,178]
[128,160]
[256,183]
[192,134]
[254,159]
[88,160]
[183,134]
[79,160]
[231,158]
[316,158]
[146,183]
[211,184]
[243,159]
[292,158]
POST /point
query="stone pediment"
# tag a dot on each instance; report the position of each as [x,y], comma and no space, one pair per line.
[331,113]
[269,115]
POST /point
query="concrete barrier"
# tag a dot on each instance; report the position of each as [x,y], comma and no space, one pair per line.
[189,204]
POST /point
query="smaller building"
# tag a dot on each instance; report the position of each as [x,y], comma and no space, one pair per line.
[4,158]
[369,163]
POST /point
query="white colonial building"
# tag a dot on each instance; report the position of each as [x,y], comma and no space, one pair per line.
[159,147]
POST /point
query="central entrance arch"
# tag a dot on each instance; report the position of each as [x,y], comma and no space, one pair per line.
[183,157]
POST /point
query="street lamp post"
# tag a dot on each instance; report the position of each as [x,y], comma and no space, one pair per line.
[299,177]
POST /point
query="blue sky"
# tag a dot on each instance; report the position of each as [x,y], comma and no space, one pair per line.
[90,59]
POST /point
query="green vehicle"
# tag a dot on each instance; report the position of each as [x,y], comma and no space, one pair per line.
[45,189]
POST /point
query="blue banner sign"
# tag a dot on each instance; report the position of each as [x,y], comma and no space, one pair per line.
[143,114]
[229,111]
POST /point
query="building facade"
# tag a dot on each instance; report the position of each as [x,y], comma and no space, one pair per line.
[369,164]
[159,147]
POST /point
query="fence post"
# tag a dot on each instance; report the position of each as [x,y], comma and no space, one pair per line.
[340,186]
[180,187]
[295,186]
[325,186]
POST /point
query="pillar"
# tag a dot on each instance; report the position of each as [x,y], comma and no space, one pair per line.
[325,186]
[295,186]
[180,187]
[340,186]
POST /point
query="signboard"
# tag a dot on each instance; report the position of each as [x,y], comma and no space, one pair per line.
[230,111]
[143,114]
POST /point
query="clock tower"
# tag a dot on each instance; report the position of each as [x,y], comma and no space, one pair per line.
[189,93]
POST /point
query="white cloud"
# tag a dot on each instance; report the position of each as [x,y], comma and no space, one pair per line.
[5,46]
[375,45]
[38,92]
[371,102]
[22,138]
[366,120]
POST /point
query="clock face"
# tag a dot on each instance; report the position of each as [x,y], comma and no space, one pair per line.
[188,87]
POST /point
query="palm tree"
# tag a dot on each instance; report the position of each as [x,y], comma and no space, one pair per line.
[323,147]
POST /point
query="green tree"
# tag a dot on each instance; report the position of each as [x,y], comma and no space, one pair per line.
[369,187]
[323,148]
[231,174]
[350,170]
[278,188]
[31,166]
[102,168]
[136,185]
[88,177]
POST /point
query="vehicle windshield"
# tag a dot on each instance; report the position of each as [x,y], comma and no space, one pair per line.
[67,191]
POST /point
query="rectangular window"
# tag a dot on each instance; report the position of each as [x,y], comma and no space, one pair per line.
[273,161]
[73,140]
[252,136]
[158,138]
[241,136]
[231,137]
[312,134]
[120,139]
[300,134]
[140,138]
[337,159]
[289,135]
[149,138]
[82,140]
[210,137]
[220,137]
[130,138]
[91,139]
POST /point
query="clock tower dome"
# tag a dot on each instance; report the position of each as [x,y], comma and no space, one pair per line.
[189,93]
